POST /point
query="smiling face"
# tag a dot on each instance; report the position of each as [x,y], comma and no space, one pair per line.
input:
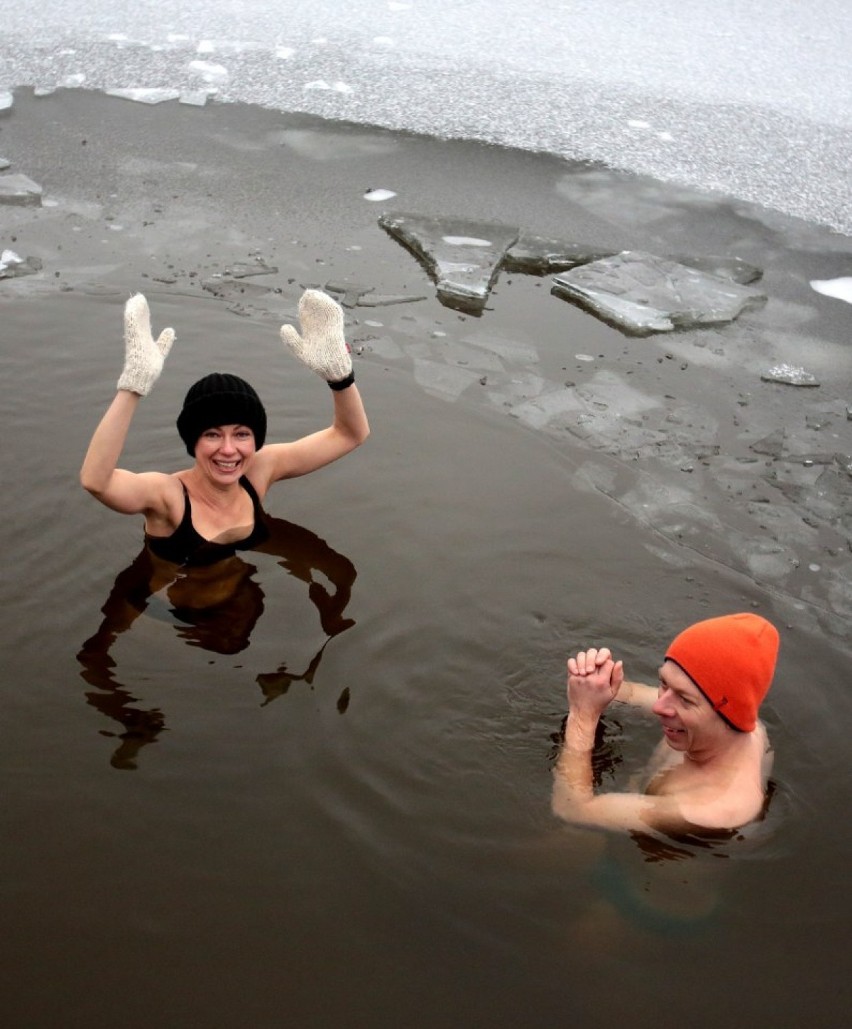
[687,718]
[223,451]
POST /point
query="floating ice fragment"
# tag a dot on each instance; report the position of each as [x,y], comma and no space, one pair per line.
[462,256]
[640,293]
[208,71]
[6,100]
[840,289]
[377,195]
[538,255]
[789,375]
[466,241]
[117,37]
[20,191]
[13,266]
[666,137]
[72,81]
[335,87]
[284,52]
[636,123]
[143,95]
[584,357]
[196,98]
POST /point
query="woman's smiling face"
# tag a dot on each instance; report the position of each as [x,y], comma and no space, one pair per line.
[224,450]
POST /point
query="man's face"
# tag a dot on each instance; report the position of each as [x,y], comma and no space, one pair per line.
[686,715]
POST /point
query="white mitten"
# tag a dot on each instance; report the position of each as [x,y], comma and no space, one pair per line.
[321,346]
[143,358]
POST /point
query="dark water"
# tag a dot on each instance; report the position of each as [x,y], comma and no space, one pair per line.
[354,829]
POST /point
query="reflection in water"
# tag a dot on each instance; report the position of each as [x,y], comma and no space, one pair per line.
[215,607]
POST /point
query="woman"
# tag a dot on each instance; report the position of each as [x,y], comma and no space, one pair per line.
[204,513]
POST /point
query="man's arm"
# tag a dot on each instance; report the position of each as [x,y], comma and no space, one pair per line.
[574,799]
[594,681]
[637,694]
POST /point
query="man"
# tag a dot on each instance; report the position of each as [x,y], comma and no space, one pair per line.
[711,767]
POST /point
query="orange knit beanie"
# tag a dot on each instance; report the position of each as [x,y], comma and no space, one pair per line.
[731,659]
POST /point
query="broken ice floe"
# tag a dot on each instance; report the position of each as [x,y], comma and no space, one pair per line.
[19,191]
[378,195]
[143,95]
[6,99]
[4,164]
[723,267]
[209,71]
[538,255]
[840,289]
[157,95]
[334,87]
[789,375]
[13,266]
[463,257]
[641,294]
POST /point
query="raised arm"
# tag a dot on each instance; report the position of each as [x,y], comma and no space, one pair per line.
[322,347]
[118,489]
[594,681]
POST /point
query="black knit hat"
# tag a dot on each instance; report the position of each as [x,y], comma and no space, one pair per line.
[220,399]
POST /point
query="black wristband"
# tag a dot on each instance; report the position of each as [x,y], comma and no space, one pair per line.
[343,383]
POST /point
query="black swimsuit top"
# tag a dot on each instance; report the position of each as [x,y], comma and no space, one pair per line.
[186,546]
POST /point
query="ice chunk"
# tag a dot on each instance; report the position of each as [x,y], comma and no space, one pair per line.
[208,71]
[841,288]
[19,191]
[6,99]
[334,87]
[377,195]
[790,375]
[641,294]
[144,95]
[4,164]
[732,268]
[13,266]
[538,255]
[464,268]
[195,98]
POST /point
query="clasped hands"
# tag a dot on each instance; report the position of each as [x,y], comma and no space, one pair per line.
[321,345]
[594,679]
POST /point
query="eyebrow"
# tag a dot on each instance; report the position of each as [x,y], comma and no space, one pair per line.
[670,686]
